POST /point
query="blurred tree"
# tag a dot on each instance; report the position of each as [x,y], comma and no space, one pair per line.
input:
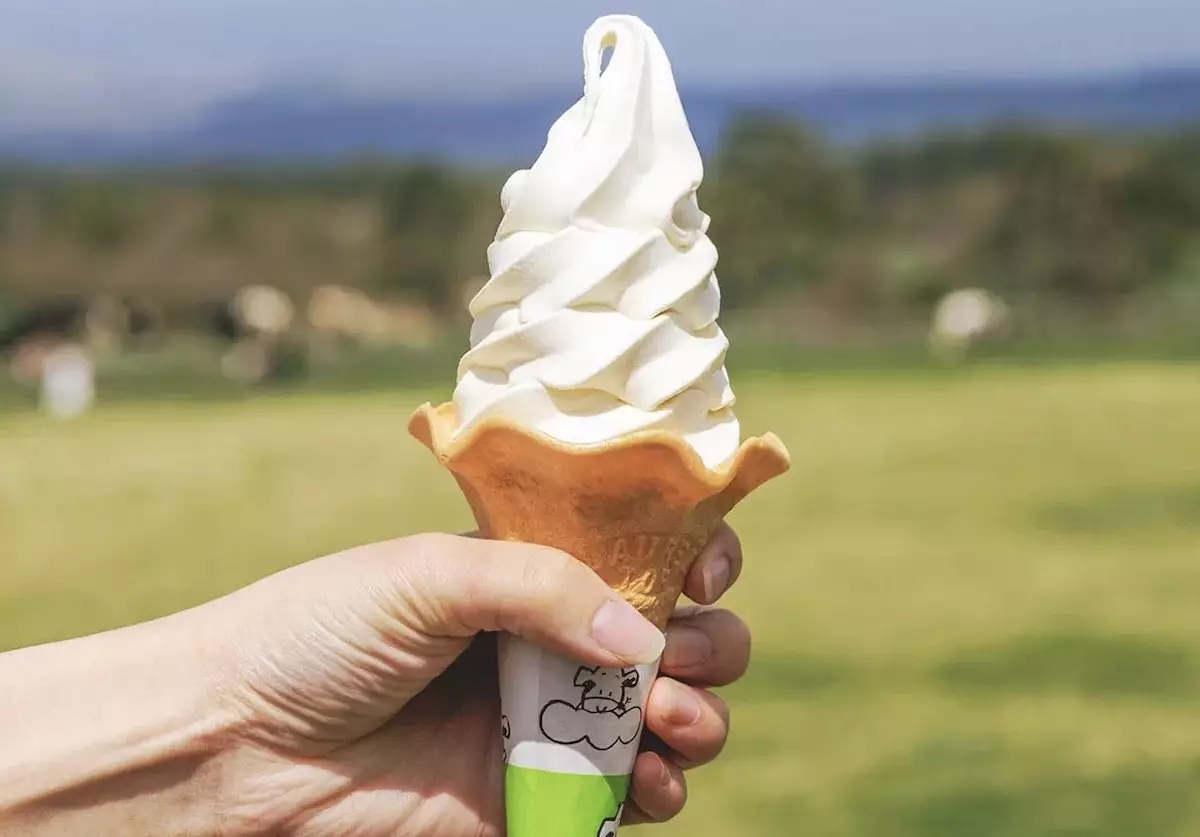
[100,213]
[866,234]
[780,202]
[946,157]
[426,210]
[8,308]
[226,224]
[1084,221]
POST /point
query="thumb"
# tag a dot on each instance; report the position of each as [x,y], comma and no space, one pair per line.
[448,586]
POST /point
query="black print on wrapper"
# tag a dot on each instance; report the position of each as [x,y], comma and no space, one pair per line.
[605,714]
[506,734]
[608,828]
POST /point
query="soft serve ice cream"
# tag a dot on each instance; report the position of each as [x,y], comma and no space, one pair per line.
[599,319]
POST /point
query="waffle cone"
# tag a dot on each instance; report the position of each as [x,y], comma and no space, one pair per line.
[637,511]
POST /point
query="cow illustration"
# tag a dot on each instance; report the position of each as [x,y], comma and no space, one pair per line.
[607,712]
[606,689]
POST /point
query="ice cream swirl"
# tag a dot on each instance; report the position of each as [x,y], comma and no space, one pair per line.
[600,316]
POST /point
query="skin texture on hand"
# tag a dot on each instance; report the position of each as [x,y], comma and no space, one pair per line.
[357,694]
[383,714]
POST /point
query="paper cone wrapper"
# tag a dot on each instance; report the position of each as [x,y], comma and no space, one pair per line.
[571,735]
[637,511]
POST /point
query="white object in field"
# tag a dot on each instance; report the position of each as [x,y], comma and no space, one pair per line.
[962,317]
[350,313]
[263,309]
[68,383]
[106,323]
[29,359]
[336,308]
[248,361]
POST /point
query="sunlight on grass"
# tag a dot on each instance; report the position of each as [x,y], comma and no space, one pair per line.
[974,597]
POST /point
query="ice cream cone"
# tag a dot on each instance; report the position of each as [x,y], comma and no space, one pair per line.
[637,510]
[593,412]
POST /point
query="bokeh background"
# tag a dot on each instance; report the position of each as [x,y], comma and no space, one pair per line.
[961,269]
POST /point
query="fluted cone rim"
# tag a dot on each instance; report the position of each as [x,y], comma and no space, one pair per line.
[435,427]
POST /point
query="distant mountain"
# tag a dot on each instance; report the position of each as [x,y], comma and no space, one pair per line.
[322,122]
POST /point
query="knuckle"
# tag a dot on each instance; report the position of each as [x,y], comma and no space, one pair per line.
[429,546]
[542,571]
[558,572]
[538,580]
[430,557]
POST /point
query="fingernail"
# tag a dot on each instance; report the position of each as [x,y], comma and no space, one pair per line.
[683,708]
[686,648]
[716,577]
[619,629]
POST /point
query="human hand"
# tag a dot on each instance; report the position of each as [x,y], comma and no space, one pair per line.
[366,693]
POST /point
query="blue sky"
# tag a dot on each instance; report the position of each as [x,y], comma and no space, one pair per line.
[74,54]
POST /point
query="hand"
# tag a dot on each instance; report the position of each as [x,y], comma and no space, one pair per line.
[365,683]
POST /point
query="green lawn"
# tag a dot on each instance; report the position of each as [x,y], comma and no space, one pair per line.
[976,597]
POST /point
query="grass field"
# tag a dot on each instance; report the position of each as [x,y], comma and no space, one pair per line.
[976,598]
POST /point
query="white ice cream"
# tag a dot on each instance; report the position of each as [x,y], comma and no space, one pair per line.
[599,319]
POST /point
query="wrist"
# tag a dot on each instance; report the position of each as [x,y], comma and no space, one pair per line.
[122,733]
